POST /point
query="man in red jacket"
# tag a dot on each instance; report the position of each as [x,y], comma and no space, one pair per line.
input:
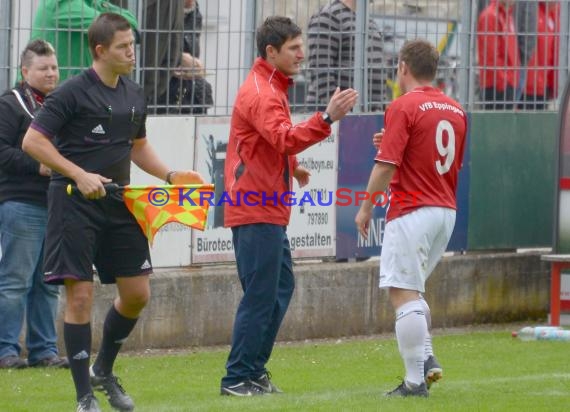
[498,55]
[260,164]
[542,69]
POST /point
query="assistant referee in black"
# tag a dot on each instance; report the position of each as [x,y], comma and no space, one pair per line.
[87,132]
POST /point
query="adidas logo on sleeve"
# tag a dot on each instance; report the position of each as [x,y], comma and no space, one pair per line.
[98,130]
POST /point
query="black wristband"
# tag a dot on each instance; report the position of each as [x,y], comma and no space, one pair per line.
[169,176]
[327,118]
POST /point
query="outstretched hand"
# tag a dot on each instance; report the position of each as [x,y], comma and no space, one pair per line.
[341,103]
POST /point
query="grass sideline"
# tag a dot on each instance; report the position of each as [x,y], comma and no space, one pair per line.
[483,371]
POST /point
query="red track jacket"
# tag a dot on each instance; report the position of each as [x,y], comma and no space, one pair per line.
[262,147]
[497,48]
[542,72]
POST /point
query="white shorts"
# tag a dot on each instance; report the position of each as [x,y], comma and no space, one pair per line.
[413,245]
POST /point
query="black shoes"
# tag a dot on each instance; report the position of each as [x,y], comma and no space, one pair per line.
[245,388]
[88,404]
[252,387]
[264,383]
[407,389]
[115,393]
[13,362]
[54,361]
[432,371]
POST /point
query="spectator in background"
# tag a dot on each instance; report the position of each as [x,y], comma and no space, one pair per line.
[542,75]
[498,55]
[190,92]
[64,23]
[23,219]
[331,46]
[525,22]
[161,52]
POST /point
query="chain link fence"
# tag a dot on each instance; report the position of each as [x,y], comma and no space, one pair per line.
[193,55]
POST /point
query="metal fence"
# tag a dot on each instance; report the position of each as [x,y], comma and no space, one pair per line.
[355,45]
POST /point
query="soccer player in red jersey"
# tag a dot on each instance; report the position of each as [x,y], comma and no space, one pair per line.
[419,157]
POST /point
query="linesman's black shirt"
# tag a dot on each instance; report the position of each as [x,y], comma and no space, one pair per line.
[94,125]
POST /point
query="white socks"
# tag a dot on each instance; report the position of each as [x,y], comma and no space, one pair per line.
[428,348]
[411,333]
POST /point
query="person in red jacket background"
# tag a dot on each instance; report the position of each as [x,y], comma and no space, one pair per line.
[498,55]
[260,164]
[542,74]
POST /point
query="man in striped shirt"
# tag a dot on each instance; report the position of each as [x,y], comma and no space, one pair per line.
[331,44]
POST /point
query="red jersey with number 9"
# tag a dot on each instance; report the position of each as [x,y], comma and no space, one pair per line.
[425,139]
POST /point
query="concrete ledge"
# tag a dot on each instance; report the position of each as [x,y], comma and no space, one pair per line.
[196,306]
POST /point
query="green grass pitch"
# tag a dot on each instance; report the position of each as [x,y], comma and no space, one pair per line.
[483,371]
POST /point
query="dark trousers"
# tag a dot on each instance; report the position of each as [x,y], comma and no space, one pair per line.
[266,275]
[499,100]
[533,102]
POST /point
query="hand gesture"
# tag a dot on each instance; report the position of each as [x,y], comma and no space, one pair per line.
[341,103]
[190,67]
[377,138]
[302,176]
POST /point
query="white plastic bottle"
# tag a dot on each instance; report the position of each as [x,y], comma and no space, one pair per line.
[529,333]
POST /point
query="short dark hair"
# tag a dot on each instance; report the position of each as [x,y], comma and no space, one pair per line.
[275,31]
[37,47]
[103,29]
[421,57]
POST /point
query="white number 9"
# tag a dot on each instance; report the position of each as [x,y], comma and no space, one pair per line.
[445,151]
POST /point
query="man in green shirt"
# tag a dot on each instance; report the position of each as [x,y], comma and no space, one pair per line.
[64,24]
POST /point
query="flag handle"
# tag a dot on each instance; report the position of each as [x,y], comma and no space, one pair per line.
[72,189]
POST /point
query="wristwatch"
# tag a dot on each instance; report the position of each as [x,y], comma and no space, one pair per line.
[327,118]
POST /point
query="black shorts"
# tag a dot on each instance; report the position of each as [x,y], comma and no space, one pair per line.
[82,233]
